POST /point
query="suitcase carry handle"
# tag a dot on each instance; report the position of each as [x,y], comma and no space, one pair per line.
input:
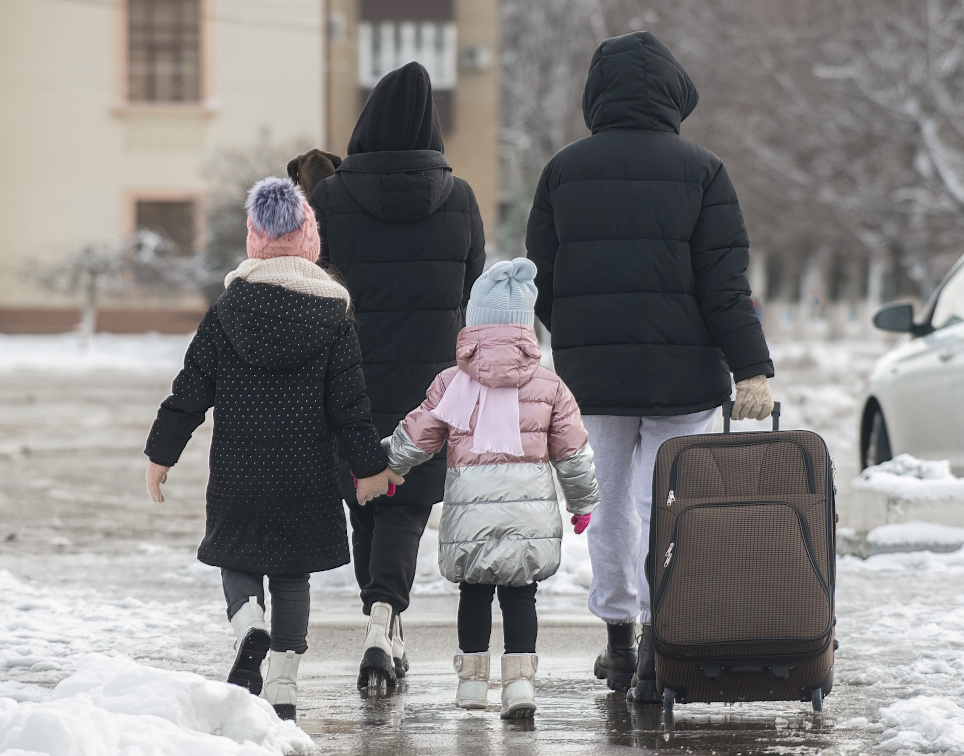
[728,410]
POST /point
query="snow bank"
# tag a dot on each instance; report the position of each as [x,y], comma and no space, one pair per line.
[69,352]
[923,724]
[907,534]
[116,706]
[906,477]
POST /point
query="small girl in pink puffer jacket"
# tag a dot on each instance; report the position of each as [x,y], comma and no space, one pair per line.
[508,422]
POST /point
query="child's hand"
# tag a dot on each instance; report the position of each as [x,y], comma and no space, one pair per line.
[580,523]
[377,485]
[156,474]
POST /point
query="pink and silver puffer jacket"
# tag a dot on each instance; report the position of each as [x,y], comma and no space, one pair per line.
[500,520]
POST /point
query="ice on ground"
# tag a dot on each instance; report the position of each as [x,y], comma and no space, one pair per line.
[909,478]
[915,532]
[72,353]
[117,706]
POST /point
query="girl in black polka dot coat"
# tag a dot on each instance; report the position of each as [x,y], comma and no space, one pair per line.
[278,359]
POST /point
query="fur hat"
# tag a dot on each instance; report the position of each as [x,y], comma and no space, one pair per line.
[310,169]
[280,221]
[505,293]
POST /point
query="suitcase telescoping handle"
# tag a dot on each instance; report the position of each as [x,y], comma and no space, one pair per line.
[728,410]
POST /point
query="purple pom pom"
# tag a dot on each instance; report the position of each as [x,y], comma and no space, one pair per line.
[275,206]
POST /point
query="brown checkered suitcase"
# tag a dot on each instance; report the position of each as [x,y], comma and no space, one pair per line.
[742,567]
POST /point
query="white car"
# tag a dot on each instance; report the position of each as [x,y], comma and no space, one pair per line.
[915,396]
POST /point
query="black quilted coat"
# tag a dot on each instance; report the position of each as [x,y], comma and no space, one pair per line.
[406,237]
[283,373]
[642,249]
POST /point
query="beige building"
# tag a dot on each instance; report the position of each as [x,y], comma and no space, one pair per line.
[457,41]
[112,107]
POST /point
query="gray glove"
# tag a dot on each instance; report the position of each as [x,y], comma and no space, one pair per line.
[753,399]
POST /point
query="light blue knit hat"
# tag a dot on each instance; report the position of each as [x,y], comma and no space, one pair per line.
[505,293]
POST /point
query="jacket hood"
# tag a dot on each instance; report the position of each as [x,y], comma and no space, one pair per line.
[399,115]
[499,356]
[273,327]
[398,186]
[635,83]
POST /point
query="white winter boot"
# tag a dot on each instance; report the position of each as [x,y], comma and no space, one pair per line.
[281,682]
[473,671]
[399,657]
[252,643]
[518,689]
[377,668]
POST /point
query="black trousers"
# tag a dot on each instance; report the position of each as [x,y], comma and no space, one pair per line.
[290,603]
[384,541]
[520,626]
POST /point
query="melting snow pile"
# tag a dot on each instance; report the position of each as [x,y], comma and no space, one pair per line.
[906,477]
[116,706]
[923,724]
[105,704]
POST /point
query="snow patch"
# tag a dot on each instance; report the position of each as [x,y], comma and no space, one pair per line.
[116,706]
[923,724]
[71,353]
[914,532]
[906,477]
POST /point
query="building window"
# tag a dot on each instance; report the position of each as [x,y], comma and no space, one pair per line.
[174,219]
[386,45]
[164,63]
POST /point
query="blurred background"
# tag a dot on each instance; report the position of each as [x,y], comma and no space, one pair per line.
[133,127]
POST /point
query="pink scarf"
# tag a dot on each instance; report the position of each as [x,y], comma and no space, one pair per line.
[497,426]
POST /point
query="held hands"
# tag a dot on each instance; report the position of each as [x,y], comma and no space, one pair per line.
[753,399]
[156,474]
[580,523]
[377,485]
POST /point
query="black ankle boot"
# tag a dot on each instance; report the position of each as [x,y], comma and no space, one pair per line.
[644,682]
[617,662]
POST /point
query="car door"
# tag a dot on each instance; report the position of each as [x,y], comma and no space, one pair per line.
[923,401]
[948,321]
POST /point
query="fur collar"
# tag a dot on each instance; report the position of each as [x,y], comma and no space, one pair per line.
[293,273]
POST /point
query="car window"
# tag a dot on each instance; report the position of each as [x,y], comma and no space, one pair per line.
[950,302]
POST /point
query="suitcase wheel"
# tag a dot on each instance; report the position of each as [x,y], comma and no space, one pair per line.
[816,698]
[668,700]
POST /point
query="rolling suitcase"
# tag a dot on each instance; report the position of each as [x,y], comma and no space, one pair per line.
[742,567]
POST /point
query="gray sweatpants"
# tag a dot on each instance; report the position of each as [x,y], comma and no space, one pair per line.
[624,452]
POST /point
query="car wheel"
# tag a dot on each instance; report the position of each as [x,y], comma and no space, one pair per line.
[878,442]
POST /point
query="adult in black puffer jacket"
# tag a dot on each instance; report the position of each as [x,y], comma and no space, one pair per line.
[642,254]
[406,237]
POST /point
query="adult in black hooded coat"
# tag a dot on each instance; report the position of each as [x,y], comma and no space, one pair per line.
[406,237]
[642,253]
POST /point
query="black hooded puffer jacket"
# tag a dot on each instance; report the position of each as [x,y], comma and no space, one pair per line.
[642,249]
[283,373]
[406,237]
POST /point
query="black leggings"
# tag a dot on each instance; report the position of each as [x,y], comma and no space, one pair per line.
[289,604]
[520,626]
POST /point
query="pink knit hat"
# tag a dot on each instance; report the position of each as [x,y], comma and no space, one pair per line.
[280,221]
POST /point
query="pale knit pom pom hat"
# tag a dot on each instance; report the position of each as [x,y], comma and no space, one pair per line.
[280,221]
[505,293]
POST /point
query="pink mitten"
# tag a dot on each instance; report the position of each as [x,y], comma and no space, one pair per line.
[580,522]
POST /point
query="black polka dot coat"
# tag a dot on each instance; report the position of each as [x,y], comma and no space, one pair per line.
[282,371]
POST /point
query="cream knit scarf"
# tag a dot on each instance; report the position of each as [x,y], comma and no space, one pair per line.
[292,273]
